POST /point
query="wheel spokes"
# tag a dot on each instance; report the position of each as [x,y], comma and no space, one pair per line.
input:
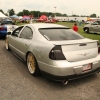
[31,63]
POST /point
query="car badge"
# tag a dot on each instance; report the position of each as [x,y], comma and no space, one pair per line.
[85,54]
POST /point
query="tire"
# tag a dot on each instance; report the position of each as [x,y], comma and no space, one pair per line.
[86,30]
[7,44]
[32,65]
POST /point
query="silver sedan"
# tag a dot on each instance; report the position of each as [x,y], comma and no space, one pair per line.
[55,51]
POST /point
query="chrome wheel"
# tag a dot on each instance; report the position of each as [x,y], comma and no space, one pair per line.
[32,65]
[86,30]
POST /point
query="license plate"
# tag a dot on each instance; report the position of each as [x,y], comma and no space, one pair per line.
[87,67]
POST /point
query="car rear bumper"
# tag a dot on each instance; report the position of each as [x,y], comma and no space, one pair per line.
[3,33]
[69,77]
[64,69]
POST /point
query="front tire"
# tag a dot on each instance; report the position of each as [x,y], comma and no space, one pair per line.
[32,65]
[86,30]
[7,44]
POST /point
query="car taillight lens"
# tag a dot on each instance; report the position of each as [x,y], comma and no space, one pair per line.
[56,53]
[1,28]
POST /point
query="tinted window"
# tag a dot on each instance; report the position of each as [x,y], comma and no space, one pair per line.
[95,23]
[17,31]
[98,22]
[59,34]
[26,33]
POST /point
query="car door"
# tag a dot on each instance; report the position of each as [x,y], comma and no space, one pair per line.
[94,27]
[13,37]
[98,26]
[23,41]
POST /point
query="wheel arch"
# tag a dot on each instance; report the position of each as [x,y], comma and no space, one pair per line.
[88,29]
[27,55]
[85,28]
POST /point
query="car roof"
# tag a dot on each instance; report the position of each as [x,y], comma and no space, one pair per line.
[46,25]
[37,26]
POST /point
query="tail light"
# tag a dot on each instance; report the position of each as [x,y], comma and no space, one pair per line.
[56,53]
[2,28]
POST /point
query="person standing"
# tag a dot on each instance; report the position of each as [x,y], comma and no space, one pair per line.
[75,27]
[31,20]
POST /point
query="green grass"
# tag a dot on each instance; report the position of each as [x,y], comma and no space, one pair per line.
[86,35]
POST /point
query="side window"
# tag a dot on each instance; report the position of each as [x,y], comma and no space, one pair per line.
[95,23]
[98,22]
[17,31]
[27,33]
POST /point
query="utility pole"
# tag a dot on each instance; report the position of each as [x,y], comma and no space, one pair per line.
[55,11]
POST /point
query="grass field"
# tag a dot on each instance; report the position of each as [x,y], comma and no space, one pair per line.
[87,35]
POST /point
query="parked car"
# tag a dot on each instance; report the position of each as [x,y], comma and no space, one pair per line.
[93,27]
[55,51]
[6,25]
[88,22]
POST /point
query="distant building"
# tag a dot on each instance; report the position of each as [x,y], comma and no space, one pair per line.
[93,19]
[64,19]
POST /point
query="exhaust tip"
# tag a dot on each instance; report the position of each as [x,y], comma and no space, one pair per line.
[64,82]
[98,72]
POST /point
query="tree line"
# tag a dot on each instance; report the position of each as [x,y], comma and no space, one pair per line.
[37,14]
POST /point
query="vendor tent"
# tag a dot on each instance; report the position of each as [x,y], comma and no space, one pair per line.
[43,17]
[2,15]
[25,17]
[14,16]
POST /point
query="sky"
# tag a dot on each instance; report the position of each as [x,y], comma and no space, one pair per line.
[69,7]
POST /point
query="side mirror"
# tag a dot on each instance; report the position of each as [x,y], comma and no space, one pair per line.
[9,33]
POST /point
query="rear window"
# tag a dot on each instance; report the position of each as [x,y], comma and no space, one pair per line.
[57,34]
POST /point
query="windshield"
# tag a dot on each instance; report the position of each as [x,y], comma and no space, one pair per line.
[57,34]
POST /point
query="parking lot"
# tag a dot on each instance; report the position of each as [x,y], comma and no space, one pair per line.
[17,84]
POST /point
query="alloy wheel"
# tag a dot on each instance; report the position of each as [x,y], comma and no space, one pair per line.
[31,63]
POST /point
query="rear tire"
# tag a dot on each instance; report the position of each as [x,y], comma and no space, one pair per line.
[86,30]
[32,65]
[7,44]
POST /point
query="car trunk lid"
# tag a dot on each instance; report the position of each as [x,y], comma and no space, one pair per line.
[77,50]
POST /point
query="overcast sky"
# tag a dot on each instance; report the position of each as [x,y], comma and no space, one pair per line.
[69,7]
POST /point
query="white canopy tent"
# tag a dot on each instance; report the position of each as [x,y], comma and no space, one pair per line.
[2,15]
